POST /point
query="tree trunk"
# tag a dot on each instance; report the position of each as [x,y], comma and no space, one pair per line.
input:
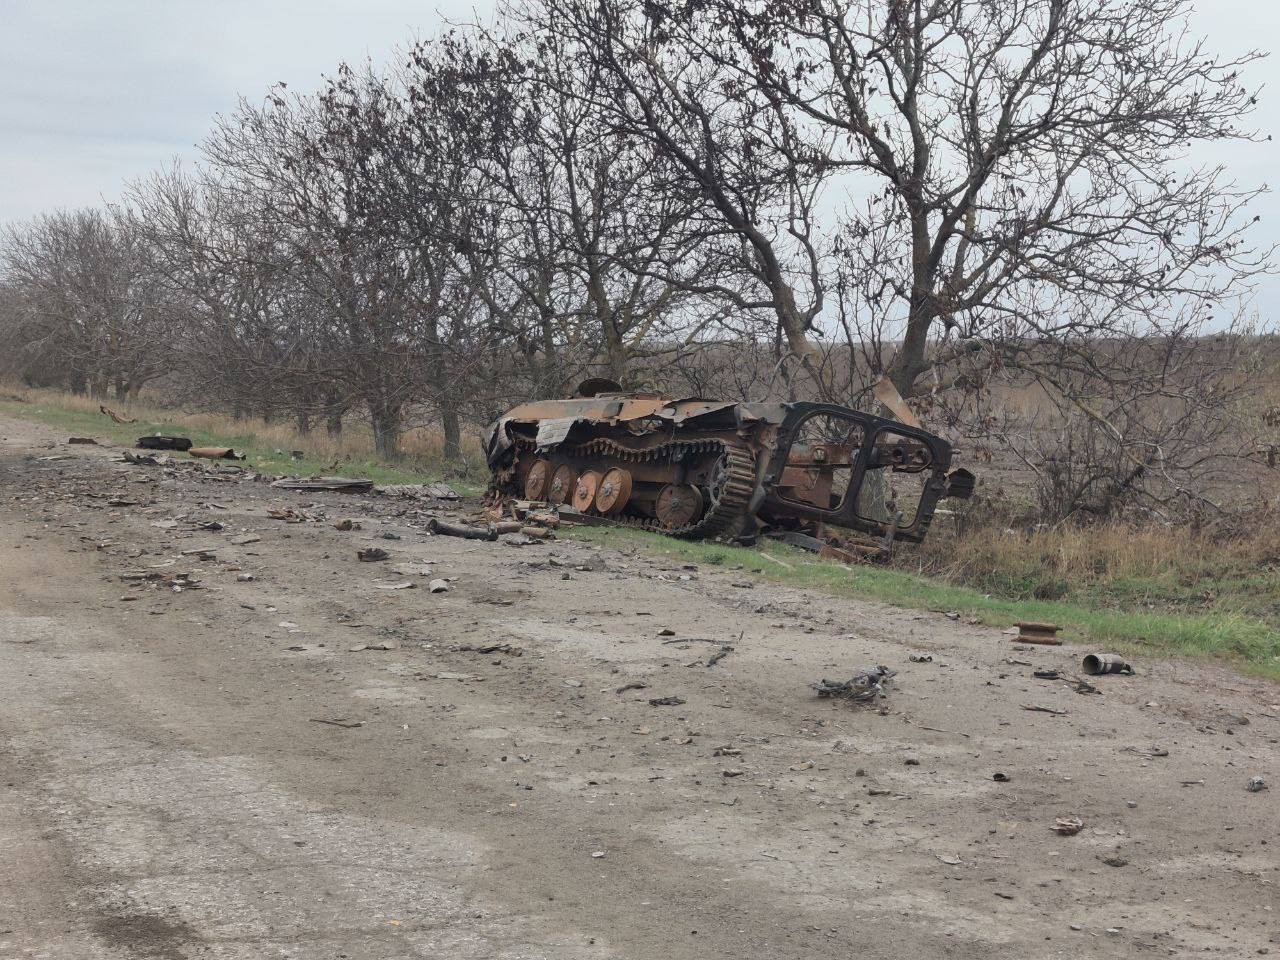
[333,422]
[452,432]
[385,419]
[303,425]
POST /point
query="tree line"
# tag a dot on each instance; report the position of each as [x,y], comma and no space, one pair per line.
[784,198]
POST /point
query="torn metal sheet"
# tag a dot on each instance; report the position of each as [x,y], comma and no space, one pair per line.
[551,432]
[215,453]
[330,484]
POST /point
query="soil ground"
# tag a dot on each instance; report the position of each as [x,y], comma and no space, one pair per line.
[167,789]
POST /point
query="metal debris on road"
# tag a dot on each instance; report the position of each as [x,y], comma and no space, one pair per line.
[864,685]
[1096,664]
[1067,826]
[372,554]
[444,528]
[326,484]
[724,651]
[375,645]
[339,722]
[510,649]
[88,440]
[215,453]
[666,702]
[1042,633]
[1036,708]
[1256,785]
[438,586]
[162,442]
[427,491]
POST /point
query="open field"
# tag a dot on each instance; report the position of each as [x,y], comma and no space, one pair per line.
[289,760]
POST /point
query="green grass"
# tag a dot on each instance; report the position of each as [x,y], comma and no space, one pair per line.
[261,455]
[1246,641]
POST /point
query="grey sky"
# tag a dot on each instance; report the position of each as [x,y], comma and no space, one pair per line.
[97,92]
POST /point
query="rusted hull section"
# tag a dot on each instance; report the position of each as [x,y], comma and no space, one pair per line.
[708,468]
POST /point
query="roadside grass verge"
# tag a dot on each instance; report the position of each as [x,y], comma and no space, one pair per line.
[268,446]
[1246,641]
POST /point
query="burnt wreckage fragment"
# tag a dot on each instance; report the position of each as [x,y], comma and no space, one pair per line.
[701,469]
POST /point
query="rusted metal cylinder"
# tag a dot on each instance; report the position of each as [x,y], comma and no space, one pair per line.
[1099,663]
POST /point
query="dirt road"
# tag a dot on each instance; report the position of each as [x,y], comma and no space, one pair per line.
[167,789]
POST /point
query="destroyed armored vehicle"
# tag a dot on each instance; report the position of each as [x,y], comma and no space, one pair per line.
[701,469]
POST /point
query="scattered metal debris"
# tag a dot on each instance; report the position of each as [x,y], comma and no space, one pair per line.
[346,525]
[1067,826]
[1081,685]
[864,685]
[1256,785]
[372,554]
[88,440]
[289,515]
[328,484]
[215,453]
[444,528]
[724,651]
[1036,708]
[487,649]
[1042,633]
[339,722]
[921,658]
[1096,664]
[161,442]
[438,586]
[375,645]
[427,491]
[666,702]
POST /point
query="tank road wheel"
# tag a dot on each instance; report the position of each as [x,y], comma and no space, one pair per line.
[615,491]
[584,494]
[562,483]
[679,504]
[537,480]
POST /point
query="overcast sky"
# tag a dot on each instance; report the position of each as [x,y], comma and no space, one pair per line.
[97,92]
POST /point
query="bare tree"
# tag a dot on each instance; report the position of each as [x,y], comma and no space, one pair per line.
[84,302]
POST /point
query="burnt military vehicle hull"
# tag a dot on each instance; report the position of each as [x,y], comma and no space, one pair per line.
[702,469]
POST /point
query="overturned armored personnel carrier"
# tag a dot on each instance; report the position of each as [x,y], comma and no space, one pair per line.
[701,469]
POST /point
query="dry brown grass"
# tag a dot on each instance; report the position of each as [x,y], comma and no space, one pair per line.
[1232,566]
